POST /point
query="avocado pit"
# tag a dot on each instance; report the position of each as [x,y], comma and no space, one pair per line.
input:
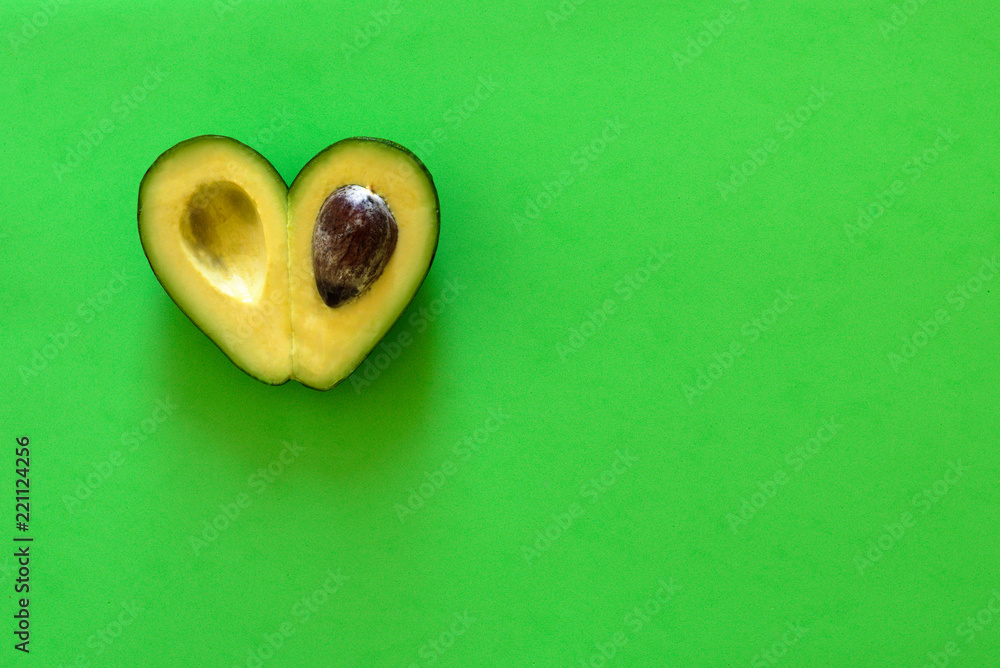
[353,240]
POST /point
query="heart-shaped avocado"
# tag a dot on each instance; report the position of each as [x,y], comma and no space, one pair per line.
[291,283]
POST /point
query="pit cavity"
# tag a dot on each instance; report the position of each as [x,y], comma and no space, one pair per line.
[222,233]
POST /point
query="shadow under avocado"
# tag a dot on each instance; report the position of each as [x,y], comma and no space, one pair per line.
[364,420]
[372,413]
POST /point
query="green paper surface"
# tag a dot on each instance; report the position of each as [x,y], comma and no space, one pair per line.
[704,372]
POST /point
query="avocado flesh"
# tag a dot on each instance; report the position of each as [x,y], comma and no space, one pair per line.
[233,247]
[330,342]
[212,221]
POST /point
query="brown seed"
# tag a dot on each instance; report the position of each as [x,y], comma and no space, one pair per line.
[352,242]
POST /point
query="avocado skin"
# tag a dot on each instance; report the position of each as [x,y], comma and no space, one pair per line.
[163,157]
[176,147]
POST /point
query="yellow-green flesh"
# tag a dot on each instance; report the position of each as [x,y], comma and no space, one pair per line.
[233,249]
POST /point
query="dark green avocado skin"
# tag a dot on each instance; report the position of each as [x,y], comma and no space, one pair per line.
[180,145]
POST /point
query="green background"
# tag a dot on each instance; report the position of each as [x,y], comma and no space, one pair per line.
[606,132]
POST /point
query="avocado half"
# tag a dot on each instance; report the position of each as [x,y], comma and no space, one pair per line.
[291,283]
